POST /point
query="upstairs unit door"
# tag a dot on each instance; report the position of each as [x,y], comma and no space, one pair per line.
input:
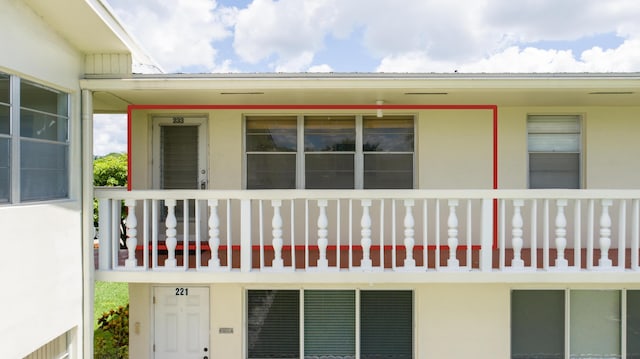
[180,152]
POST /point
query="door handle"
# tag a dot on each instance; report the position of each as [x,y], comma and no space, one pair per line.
[203,184]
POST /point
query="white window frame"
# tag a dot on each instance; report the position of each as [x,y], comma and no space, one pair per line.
[580,151]
[16,140]
[300,153]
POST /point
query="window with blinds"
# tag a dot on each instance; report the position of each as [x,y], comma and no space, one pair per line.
[554,151]
[271,145]
[329,152]
[273,321]
[329,145]
[585,323]
[329,326]
[537,324]
[386,324]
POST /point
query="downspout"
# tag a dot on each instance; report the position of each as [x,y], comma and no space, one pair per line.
[88,276]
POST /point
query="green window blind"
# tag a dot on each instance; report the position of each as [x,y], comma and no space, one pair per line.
[386,324]
[273,322]
[329,324]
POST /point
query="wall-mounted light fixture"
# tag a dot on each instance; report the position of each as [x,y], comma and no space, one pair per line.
[379,111]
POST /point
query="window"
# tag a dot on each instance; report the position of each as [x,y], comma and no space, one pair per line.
[34,142]
[329,152]
[5,139]
[554,151]
[329,326]
[595,320]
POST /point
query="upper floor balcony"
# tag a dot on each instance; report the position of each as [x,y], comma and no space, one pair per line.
[368,235]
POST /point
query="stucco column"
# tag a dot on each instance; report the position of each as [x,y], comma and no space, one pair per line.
[85,337]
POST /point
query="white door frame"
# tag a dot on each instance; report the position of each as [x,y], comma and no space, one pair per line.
[203,144]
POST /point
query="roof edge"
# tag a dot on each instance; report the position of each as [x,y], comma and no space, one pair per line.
[109,18]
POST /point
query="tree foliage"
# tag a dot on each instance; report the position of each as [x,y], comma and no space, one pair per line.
[110,170]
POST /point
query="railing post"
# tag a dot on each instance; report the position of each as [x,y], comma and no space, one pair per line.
[104,234]
[171,232]
[561,234]
[605,234]
[486,236]
[276,224]
[365,223]
[323,222]
[516,232]
[409,232]
[132,241]
[452,241]
[245,236]
[214,233]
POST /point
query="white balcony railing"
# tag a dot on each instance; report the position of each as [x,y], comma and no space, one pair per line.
[372,230]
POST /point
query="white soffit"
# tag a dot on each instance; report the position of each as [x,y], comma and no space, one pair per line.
[90,26]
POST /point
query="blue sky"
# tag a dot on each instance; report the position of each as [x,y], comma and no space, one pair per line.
[473,36]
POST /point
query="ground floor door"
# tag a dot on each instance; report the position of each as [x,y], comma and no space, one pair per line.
[181,323]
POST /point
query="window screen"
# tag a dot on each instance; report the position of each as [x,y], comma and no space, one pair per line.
[388,152]
[595,324]
[329,324]
[329,144]
[271,145]
[386,324]
[633,324]
[554,151]
[537,324]
[44,144]
[273,324]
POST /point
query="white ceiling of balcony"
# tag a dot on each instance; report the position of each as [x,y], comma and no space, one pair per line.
[113,95]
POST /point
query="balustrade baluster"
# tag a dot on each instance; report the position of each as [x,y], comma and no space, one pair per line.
[605,234]
[452,241]
[365,223]
[214,233]
[516,232]
[409,232]
[561,234]
[132,241]
[171,232]
[276,224]
[323,222]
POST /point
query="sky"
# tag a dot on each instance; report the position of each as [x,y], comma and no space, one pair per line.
[444,36]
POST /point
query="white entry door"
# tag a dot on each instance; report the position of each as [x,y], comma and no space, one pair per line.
[181,323]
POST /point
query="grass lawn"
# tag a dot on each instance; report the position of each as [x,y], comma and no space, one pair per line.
[108,296]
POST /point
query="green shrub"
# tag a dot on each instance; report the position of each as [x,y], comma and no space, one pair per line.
[111,339]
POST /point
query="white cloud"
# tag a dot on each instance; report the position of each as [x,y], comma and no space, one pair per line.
[430,35]
[109,134]
[625,58]
[290,30]
[178,34]
[320,68]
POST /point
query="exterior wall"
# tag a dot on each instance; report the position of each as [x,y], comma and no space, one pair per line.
[42,267]
[455,149]
[608,145]
[444,141]
[450,145]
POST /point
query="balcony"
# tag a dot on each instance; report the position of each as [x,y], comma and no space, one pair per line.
[371,235]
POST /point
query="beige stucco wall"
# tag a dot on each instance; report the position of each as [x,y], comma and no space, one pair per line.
[41,269]
[444,318]
[455,149]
